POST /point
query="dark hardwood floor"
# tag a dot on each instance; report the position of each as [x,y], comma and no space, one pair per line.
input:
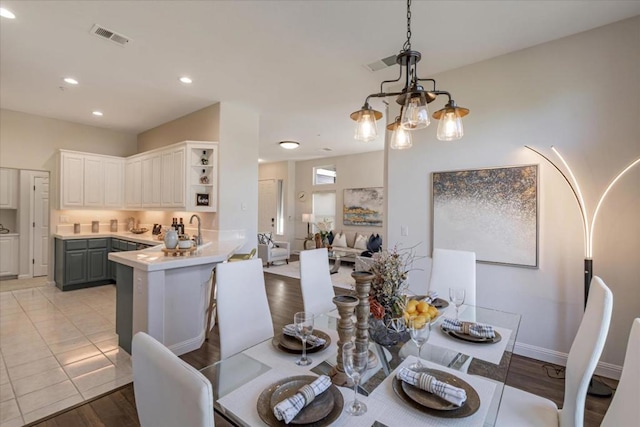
[117,408]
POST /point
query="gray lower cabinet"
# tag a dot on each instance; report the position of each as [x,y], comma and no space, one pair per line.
[81,263]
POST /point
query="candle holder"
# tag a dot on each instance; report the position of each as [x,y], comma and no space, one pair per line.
[363,286]
[346,305]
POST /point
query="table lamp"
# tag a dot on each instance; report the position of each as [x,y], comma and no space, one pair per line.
[308,218]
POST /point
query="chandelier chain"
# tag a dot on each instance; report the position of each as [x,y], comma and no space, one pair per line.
[407,44]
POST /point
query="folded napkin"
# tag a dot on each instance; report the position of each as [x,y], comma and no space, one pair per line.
[312,340]
[429,383]
[469,328]
[289,408]
[431,297]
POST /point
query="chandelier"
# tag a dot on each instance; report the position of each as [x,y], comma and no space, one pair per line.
[413,100]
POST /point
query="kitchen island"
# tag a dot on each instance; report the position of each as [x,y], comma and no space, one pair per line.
[167,296]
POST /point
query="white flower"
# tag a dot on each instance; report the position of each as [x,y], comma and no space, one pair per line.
[324,226]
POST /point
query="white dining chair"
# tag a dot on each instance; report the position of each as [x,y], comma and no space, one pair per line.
[624,409]
[453,269]
[244,317]
[168,391]
[315,281]
[519,408]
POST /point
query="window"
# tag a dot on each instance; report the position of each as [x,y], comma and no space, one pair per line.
[324,208]
[324,175]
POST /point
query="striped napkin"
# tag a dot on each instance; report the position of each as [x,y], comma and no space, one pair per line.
[312,340]
[291,406]
[469,328]
[429,383]
[431,297]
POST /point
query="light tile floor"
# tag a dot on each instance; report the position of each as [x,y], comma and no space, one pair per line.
[57,349]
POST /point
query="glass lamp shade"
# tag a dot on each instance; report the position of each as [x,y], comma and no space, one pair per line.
[400,139]
[415,114]
[366,129]
[450,126]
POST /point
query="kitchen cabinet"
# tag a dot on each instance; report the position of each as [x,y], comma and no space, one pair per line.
[8,188]
[202,185]
[9,249]
[90,181]
[173,178]
[81,263]
[133,183]
[151,180]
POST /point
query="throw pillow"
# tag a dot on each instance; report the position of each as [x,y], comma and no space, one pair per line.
[375,243]
[361,242]
[340,240]
[265,239]
[330,237]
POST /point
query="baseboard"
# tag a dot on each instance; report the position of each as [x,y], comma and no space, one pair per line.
[604,369]
[24,276]
[188,345]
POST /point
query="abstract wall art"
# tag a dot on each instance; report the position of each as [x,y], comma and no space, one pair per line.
[492,212]
[363,206]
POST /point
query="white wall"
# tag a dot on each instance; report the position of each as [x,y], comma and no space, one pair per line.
[353,171]
[238,172]
[286,172]
[581,94]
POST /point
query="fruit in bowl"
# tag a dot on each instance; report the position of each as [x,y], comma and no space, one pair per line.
[139,230]
[421,311]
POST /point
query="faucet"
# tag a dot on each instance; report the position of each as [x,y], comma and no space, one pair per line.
[198,238]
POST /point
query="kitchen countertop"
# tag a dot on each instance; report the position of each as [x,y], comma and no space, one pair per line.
[9,234]
[146,238]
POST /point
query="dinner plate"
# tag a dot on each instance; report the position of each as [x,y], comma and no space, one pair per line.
[265,410]
[438,303]
[431,400]
[294,345]
[318,409]
[469,408]
[470,338]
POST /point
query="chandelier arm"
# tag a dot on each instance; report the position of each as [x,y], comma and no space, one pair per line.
[442,92]
[429,80]
[391,81]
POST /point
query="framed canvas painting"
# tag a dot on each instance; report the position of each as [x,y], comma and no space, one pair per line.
[363,206]
[492,212]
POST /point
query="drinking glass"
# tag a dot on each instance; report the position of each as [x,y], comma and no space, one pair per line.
[420,331]
[354,361]
[456,296]
[303,322]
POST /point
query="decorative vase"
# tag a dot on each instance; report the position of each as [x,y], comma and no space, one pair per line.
[388,331]
[171,239]
[346,304]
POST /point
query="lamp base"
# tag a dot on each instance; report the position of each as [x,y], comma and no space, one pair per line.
[599,389]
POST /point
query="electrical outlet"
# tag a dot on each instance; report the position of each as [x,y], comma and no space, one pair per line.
[404,230]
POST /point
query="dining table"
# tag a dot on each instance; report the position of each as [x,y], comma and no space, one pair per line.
[243,383]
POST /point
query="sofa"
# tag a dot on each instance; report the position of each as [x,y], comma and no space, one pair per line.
[270,250]
[350,240]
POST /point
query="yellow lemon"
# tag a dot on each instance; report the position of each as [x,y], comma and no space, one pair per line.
[411,309]
[423,306]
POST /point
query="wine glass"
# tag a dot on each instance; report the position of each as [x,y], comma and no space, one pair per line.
[456,296]
[420,331]
[303,322]
[354,361]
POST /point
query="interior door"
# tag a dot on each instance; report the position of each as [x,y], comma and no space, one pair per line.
[40,226]
[267,205]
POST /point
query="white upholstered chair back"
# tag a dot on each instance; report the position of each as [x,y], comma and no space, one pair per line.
[453,269]
[244,317]
[315,281]
[168,391]
[624,409]
[585,352]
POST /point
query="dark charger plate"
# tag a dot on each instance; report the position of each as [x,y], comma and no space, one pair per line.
[294,345]
[469,338]
[316,413]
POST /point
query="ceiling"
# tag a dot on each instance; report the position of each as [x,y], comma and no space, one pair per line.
[298,64]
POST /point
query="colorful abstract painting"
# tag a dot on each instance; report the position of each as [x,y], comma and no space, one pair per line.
[492,212]
[363,206]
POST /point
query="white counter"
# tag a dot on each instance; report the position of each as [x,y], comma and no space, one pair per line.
[146,238]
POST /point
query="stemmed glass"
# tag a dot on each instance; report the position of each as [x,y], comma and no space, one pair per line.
[456,296]
[354,361]
[303,322]
[420,331]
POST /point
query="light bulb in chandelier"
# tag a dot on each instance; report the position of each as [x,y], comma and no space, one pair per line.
[415,114]
[400,137]
[450,127]
[365,119]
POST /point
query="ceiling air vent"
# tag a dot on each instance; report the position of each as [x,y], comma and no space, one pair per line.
[106,34]
[382,63]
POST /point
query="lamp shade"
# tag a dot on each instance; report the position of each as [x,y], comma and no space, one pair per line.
[415,114]
[307,217]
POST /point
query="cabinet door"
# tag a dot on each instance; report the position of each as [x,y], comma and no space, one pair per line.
[8,188]
[94,182]
[133,184]
[72,181]
[97,262]
[75,267]
[167,179]
[9,255]
[178,157]
[113,179]
[152,180]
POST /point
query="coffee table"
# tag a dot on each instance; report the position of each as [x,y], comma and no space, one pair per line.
[337,256]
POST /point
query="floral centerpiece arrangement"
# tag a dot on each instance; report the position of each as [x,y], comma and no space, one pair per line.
[324,228]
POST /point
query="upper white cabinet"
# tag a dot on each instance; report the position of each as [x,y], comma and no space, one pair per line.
[90,181]
[182,176]
[8,188]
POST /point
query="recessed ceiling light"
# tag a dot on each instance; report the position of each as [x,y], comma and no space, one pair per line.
[97,113]
[289,145]
[70,80]
[186,80]
[260,160]
[6,13]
